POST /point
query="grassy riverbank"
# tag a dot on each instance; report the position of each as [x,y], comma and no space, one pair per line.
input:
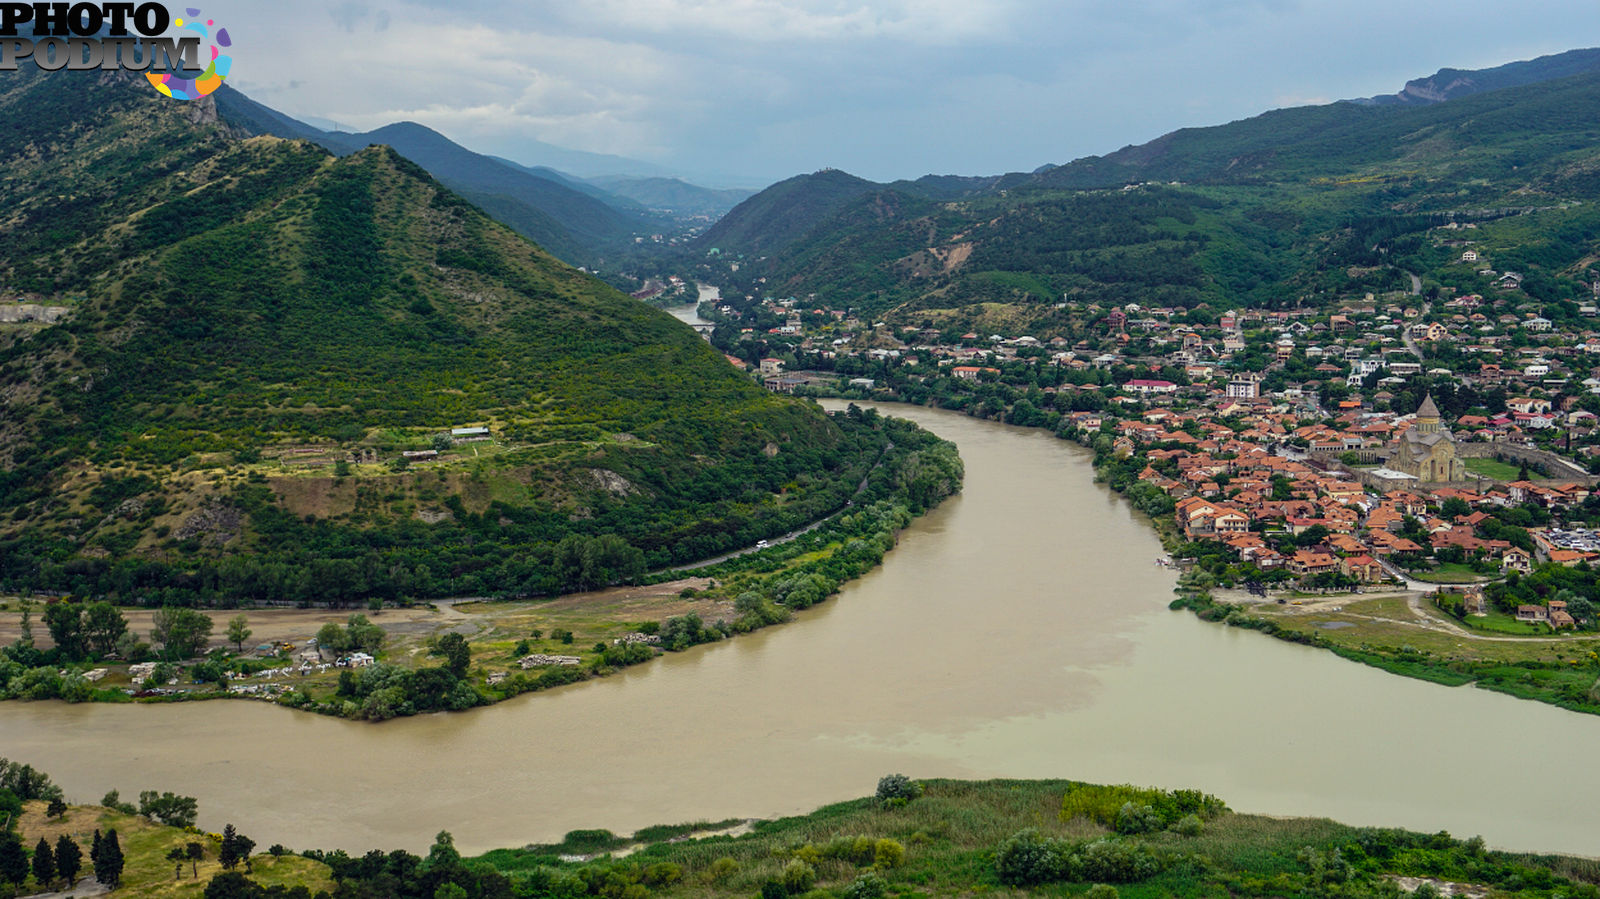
[462,655]
[939,838]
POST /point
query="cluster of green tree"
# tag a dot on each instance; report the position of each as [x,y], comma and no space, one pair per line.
[50,864]
[1578,587]
[357,633]
[683,512]
[441,874]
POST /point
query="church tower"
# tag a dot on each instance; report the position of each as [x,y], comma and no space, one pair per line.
[1428,417]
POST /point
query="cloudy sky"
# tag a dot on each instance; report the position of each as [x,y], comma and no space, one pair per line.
[749,91]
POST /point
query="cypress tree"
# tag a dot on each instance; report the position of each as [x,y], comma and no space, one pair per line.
[13,859]
[108,864]
[69,860]
[228,853]
[44,863]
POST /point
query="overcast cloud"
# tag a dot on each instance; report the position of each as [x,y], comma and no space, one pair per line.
[749,91]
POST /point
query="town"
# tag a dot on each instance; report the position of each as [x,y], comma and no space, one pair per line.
[1402,438]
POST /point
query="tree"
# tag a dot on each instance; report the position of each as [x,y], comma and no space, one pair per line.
[13,858]
[69,860]
[194,852]
[181,632]
[457,654]
[109,861]
[228,855]
[65,622]
[44,863]
[56,808]
[176,856]
[238,631]
[246,846]
[333,638]
[363,634]
[168,808]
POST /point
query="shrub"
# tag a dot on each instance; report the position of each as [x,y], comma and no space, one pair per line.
[887,853]
[1027,858]
[1101,891]
[1133,818]
[721,869]
[1188,825]
[867,886]
[898,786]
[661,874]
[1102,804]
[798,877]
[1114,861]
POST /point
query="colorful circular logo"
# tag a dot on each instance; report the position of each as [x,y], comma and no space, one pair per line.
[179,88]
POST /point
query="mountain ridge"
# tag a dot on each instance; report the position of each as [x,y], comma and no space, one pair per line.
[259,330]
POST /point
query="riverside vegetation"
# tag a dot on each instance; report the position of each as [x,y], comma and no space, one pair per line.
[934,838]
[915,472]
[290,379]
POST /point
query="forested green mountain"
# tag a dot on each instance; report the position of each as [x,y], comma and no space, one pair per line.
[259,329]
[774,218]
[1267,211]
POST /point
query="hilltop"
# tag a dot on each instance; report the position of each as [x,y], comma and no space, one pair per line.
[286,373]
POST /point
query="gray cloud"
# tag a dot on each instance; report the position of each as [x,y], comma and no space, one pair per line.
[883,88]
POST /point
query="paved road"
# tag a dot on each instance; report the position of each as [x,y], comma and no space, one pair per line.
[1405,332]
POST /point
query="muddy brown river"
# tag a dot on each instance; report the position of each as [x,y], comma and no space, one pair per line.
[1020,630]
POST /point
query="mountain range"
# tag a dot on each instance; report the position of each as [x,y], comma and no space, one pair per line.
[579,221]
[1264,211]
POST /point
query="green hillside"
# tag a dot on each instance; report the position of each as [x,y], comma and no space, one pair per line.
[1270,211]
[774,218]
[259,330]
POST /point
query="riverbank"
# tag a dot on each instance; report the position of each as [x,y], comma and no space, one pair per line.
[462,655]
[1561,669]
[1019,630]
[932,838]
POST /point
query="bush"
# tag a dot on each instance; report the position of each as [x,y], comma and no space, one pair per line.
[798,877]
[1133,818]
[887,853]
[1027,858]
[1114,861]
[1188,825]
[898,786]
[1101,891]
[867,886]
[721,869]
[1103,804]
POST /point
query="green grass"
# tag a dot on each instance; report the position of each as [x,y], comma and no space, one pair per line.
[147,874]
[1450,573]
[1494,468]
[1501,623]
[951,833]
